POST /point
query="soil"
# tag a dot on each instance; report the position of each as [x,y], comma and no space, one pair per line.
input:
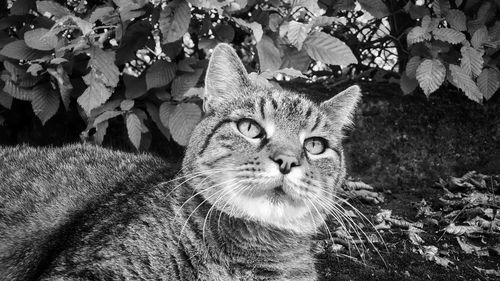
[401,145]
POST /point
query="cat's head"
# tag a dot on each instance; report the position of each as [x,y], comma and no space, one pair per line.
[265,154]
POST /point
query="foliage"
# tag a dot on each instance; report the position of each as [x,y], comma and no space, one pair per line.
[141,63]
[456,42]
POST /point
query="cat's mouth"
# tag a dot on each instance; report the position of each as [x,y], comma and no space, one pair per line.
[278,191]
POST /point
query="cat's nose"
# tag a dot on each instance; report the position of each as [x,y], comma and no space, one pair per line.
[285,162]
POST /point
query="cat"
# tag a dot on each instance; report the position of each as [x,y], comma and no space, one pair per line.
[261,172]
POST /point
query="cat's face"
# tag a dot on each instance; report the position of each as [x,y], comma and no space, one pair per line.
[265,154]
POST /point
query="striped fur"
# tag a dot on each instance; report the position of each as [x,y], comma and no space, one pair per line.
[87,213]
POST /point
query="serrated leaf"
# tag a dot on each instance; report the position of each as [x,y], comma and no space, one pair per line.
[17,92]
[430,75]
[488,82]
[457,20]
[20,51]
[449,35]
[160,73]
[328,49]
[40,39]
[134,129]
[100,132]
[182,121]
[472,60]
[96,93]
[290,72]
[440,7]
[105,116]
[408,85]
[295,59]
[269,54]
[411,66]
[255,27]
[417,34]
[323,21]
[311,6]
[165,110]
[479,37]
[376,8]
[99,14]
[155,116]
[297,33]
[464,81]
[174,20]
[45,103]
[127,105]
[5,99]
[134,86]
[103,63]
[184,82]
[16,71]
[63,83]
[53,8]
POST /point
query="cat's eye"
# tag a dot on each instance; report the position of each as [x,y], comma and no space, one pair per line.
[315,145]
[250,128]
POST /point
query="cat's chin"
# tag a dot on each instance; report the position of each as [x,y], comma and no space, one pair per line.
[277,207]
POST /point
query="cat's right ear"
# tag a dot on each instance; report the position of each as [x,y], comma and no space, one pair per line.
[225,79]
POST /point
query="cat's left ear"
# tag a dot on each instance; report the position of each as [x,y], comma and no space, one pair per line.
[341,107]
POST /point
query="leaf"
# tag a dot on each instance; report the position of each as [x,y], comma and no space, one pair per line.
[464,81]
[129,9]
[184,82]
[488,82]
[224,33]
[182,121]
[40,39]
[311,6]
[449,35]
[22,7]
[295,59]
[33,69]
[53,8]
[457,20]
[134,129]
[103,63]
[135,38]
[20,51]
[472,60]
[255,27]
[135,87]
[479,37]
[63,83]
[407,84]
[269,55]
[417,34]
[328,49]
[5,99]
[461,229]
[376,8]
[45,103]
[166,109]
[174,20]
[323,21]
[297,33]
[96,93]
[430,75]
[411,66]
[17,92]
[160,73]
[155,116]
[105,116]
[101,129]
[100,13]
[127,105]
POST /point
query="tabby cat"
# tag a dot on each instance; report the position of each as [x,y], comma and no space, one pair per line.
[260,173]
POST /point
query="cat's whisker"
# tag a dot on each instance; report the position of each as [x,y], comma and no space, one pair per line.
[214,205]
[205,199]
[194,175]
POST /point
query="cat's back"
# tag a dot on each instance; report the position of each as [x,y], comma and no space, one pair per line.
[45,192]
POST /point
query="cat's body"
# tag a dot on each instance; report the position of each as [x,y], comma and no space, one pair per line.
[260,174]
